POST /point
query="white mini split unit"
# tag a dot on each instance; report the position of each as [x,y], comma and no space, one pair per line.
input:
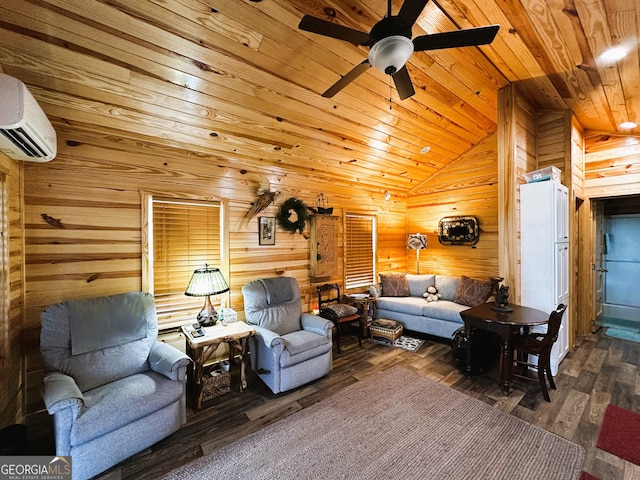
[25,130]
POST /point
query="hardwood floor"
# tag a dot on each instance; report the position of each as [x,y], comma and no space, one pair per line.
[601,370]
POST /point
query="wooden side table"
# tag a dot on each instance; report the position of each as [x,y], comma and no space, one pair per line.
[363,304]
[201,349]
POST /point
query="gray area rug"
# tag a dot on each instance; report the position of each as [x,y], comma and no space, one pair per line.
[396,424]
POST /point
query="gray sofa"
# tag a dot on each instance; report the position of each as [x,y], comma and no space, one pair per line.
[440,318]
[113,389]
[290,348]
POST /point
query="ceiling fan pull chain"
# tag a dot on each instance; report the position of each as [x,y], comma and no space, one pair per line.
[390,93]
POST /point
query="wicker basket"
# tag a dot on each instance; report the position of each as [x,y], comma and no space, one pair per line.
[215,382]
[387,329]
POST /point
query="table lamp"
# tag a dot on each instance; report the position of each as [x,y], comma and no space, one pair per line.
[417,242]
[205,282]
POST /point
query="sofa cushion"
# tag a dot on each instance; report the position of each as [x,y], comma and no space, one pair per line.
[303,345]
[261,309]
[447,286]
[98,367]
[473,291]
[394,285]
[444,310]
[418,283]
[122,402]
[407,305]
[119,318]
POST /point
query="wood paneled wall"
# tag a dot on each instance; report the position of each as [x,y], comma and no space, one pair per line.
[584,253]
[83,221]
[517,147]
[612,165]
[561,144]
[12,371]
[469,186]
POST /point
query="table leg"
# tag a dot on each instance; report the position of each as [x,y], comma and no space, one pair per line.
[243,360]
[505,366]
[196,381]
[469,347]
[200,355]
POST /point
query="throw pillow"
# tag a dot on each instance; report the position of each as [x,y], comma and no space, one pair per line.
[418,283]
[338,310]
[394,285]
[473,292]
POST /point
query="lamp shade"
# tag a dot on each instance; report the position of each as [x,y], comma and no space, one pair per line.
[206,281]
[391,53]
[416,241]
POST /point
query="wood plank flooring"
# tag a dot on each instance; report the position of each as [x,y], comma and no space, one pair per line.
[599,371]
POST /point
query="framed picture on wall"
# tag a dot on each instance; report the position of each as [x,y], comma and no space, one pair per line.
[267,231]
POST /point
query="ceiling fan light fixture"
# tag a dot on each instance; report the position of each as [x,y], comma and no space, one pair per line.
[614,54]
[391,53]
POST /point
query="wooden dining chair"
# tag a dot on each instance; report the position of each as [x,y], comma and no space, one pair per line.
[341,314]
[540,345]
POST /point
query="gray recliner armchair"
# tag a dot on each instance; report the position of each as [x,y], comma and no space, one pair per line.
[113,389]
[290,348]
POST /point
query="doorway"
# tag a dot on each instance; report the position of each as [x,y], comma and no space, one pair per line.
[617,262]
[621,267]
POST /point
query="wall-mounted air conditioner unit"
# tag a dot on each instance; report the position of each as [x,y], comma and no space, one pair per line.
[25,131]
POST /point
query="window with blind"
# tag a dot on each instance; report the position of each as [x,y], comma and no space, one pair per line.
[360,250]
[185,235]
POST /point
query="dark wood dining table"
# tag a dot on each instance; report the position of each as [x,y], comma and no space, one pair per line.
[506,324]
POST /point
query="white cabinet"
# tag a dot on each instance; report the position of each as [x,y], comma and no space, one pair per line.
[544,254]
[561,209]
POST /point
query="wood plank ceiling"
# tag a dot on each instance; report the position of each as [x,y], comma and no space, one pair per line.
[236,81]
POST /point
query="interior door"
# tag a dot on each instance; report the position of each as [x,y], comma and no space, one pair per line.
[600,251]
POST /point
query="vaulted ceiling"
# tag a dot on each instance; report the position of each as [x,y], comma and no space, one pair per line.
[237,83]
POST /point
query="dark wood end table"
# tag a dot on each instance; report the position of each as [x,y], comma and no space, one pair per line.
[505,324]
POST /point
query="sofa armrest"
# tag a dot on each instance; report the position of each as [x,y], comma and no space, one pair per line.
[319,325]
[168,361]
[65,402]
[269,338]
[375,290]
[61,391]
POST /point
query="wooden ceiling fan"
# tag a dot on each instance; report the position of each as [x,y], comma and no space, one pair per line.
[391,46]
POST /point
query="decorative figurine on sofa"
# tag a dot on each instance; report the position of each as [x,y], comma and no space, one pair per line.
[432,294]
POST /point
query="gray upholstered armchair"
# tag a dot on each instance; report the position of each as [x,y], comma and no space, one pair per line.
[290,348]
[112,388]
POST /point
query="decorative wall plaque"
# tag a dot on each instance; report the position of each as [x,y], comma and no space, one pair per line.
[458,231]
[323,247]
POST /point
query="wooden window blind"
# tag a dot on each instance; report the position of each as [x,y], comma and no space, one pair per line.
[360,250]
[186,236]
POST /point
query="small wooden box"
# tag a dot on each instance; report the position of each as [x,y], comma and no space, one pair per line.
[389,329]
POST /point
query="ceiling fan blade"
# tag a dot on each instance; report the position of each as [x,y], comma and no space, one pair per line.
[347,79]
[329,29]
[458,38]
[403,83]
[410,11]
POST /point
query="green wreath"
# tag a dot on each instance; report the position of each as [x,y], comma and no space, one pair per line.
[284,212]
